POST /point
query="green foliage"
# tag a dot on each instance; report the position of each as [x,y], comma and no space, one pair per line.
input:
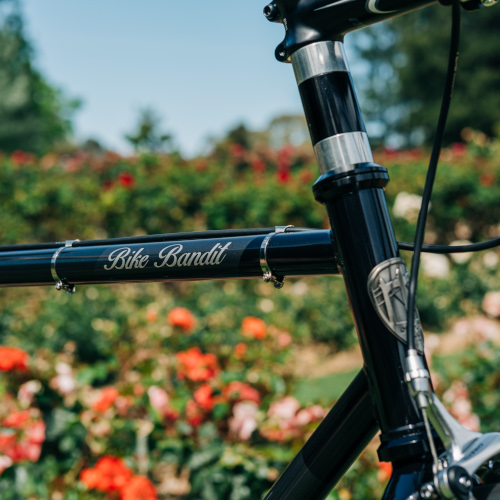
[34,116]
[477,368]
[281,131]
[121,336]
[408,61]
[147,138]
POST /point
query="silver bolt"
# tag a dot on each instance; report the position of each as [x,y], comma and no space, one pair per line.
[465,482]
[427,490]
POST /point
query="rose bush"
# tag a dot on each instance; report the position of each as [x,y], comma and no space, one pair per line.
[187,390]
[114,426]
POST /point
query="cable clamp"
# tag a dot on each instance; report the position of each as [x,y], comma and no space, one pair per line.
[269,276]
[61,283]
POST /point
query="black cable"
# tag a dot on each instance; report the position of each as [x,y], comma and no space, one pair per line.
[472,247]
[431,172]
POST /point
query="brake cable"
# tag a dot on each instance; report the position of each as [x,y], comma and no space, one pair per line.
[431,172]
[471,247]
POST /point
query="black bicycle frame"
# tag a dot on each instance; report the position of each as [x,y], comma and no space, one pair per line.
[351,188]
[169,258]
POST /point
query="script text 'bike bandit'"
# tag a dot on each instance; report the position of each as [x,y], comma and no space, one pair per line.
[169,256]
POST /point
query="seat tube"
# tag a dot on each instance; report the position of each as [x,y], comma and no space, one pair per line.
[351,188]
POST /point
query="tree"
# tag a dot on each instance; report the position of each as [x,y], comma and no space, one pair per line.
[287,129]
[34,116]
[408,59]
[147,138]
[281,130]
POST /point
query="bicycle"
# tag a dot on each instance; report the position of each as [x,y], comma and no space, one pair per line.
[393,392]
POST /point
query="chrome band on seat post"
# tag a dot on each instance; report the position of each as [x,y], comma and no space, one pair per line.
[342,151]
[318,58]
[269,276]
[61,284]
[336,126]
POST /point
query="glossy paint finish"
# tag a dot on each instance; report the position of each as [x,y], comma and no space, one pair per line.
[289,254]
[365,239]
[26,267]
[332,448]
[309,21]
[406,480]
[354,198]
[330,105]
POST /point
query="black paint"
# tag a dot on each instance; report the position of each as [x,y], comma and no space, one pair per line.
[289,254]
[365,238]
[362,176]
[330,105]
[308,21]
[331,449]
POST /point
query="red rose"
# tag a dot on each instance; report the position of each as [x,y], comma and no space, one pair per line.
[12,358]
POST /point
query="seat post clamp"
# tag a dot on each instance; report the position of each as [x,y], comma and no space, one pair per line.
[269,275]
[61,284]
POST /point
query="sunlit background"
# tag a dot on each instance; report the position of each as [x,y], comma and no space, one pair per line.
[131,118]
[204,67]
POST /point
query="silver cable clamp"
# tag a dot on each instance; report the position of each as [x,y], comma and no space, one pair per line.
[61,284]
[269,275]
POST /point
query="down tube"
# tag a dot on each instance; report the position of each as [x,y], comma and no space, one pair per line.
[332,448]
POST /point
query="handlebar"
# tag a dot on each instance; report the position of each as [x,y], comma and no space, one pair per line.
[310,21]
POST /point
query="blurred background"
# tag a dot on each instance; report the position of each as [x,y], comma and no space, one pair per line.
[119,121]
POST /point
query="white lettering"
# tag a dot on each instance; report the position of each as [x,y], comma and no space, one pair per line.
[118,260]
[139,261]
[170,256]
[183,259]
[175,249]
[195,257]
[222,250]
[205,258]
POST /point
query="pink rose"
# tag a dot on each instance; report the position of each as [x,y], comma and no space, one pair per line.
[158,397]
[244,421]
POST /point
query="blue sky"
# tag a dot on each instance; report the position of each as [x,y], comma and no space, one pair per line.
[203,66]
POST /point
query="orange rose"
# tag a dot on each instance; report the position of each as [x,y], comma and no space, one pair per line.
[196,366]
[240,350]
[183,318]
[139,488]
[384,471]
[109,474]
[106,399]
[240,391]
[204,397]
[253,327]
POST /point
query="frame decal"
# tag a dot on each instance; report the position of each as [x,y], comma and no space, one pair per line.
[170,256]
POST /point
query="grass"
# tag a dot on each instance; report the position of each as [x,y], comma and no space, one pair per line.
[323,390]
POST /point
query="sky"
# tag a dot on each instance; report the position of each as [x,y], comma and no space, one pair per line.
[203,66]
